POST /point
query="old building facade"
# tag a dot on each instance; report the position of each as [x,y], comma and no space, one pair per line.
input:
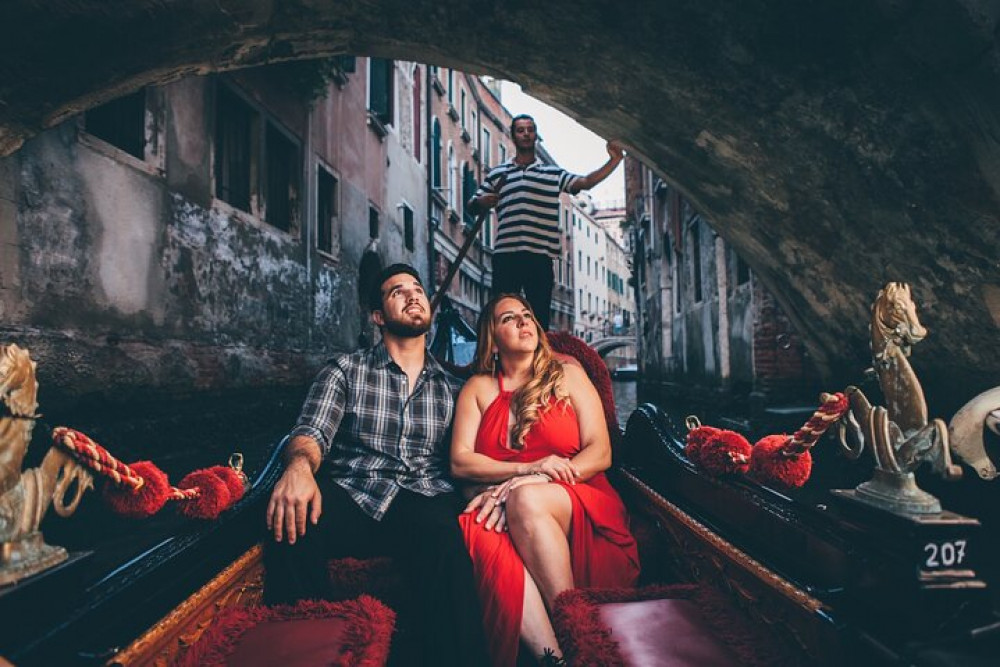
[706,328]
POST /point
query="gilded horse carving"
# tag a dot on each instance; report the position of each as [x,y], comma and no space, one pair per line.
[25,497]
[899,434]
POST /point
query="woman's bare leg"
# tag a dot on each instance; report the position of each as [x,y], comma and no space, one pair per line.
[536,628]
[538,517]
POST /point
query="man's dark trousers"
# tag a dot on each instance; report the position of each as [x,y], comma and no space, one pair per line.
[422,535]
[531,271]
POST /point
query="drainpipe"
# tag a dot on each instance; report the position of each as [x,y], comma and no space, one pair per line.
[431,263]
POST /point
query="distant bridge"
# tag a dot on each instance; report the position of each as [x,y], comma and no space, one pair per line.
[610,343]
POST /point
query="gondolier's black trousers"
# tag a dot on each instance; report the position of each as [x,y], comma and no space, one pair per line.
[531,271]
[422,536]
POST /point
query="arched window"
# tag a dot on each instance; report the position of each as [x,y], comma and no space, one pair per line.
[436,155]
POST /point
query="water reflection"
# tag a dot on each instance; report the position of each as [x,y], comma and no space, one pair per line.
[625,399]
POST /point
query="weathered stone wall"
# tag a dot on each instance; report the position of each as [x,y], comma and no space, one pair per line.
[130,283]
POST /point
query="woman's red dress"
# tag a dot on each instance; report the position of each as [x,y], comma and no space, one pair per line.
[602,550]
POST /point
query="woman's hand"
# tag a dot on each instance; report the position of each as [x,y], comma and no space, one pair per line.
[556,467]
[503,491]
[491,510]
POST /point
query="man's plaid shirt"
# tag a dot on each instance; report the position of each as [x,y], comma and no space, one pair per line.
[376,436]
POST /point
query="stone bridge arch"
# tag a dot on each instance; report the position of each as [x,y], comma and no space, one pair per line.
[837,145]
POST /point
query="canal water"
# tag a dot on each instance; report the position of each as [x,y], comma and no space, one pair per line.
[625,399]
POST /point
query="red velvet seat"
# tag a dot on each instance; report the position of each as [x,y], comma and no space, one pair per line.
[352,632]
[658,626]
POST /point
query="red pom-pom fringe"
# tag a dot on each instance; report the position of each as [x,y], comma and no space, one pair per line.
[770,465]
[213,495]
[696,438]
[232,480]
[725,453]
[143,502]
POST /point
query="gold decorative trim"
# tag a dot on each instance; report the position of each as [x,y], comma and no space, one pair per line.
[738,557]
[241,583]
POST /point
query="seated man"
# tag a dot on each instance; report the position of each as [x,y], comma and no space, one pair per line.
[366,472]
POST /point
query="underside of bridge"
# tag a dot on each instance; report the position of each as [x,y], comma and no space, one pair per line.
[837,144]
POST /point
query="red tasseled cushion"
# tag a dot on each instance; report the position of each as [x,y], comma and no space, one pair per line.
[566,343]
[663,625]
[141,503]
[351,632]
[769,467]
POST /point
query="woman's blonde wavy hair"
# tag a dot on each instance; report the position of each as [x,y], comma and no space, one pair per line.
[534,396]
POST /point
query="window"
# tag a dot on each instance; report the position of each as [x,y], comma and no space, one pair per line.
[588,265]
[235,123]
[468,190]
[121,123]
[579,258]
[372,222]
[742,271]
[436,155]
[696,259]
[462,110]
[408,227]
[678,283]
[487,155]
[326,210]
[380,89]
[281,199]
[256,171]
[451,86]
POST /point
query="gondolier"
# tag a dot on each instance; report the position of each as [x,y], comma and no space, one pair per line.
[526,191]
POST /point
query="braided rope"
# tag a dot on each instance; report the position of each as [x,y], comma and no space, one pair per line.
[185,494]
[95,457]
[833,407]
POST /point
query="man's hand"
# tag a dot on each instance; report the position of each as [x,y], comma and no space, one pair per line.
[557,468]
[616,150]
[295,497]
[491,510]
[486,202]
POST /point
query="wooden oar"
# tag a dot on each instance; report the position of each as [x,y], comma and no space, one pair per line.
[453,269]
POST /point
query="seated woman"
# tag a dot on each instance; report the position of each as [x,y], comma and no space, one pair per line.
[531,432]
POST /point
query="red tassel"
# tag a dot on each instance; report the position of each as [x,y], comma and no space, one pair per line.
[725,453]
[143,502]
[213,495]
[771,465]
[232,480]
[696,438]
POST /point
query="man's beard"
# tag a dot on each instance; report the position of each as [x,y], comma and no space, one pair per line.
[407,329]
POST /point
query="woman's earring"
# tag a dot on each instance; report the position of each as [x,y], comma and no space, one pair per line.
[496,362]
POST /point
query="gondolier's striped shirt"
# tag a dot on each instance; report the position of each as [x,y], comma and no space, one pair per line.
[377,436]
[528,209]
